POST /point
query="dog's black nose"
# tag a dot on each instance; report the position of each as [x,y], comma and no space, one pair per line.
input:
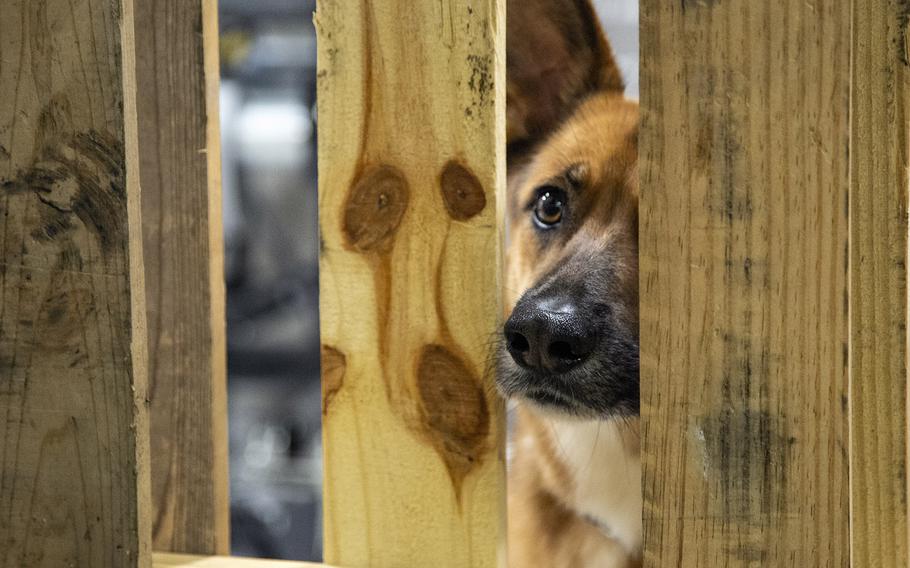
[549,334]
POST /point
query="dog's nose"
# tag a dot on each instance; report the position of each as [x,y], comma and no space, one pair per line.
[549,334]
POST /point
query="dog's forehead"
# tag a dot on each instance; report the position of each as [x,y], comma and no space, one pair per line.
[600,140]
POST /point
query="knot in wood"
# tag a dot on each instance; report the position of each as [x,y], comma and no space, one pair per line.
[462,192]
[375,208]
[454,410]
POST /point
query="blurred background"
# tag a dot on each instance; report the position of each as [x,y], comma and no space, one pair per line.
[268,129]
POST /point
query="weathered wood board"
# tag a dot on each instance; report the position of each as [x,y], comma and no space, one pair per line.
[878,283]
[177,77]
[73,420]
[411,180]
[773,283]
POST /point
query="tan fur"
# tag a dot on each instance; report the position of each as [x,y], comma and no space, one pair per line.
[566,510]
[606,125]
[545,527]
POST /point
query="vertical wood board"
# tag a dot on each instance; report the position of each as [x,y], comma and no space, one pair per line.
[745,332]
[411,180]
[73,421]
[878,283]
[178,78]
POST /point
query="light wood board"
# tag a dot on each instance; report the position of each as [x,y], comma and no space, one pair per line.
[411,180]
[169,560]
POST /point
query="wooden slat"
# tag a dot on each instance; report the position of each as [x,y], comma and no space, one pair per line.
[411,178]
[744,281]
[166,560]
[177,74]
[73,423]
[878,298]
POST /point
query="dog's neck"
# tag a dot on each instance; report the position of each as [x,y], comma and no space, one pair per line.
[594,467]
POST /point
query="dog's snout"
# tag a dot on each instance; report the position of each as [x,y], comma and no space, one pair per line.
[549,334]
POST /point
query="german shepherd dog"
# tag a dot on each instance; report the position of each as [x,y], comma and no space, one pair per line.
[569,354]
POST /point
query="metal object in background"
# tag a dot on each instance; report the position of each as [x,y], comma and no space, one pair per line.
[271,248]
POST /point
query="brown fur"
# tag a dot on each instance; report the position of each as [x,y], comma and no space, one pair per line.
[568,118]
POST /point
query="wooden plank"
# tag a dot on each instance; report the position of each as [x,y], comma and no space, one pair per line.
[177,74]
[166,560]
[878,280]
[73,423]
[744,279]
[411,180]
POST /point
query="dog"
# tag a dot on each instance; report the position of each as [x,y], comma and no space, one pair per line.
[569,352]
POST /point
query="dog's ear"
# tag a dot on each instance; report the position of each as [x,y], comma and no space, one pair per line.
[556,54]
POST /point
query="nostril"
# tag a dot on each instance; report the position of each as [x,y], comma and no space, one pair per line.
[518,342]
[561,350]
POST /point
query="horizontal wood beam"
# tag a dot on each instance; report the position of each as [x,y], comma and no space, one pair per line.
[171,560]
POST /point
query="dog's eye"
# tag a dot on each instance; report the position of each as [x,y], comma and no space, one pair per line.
[549,207]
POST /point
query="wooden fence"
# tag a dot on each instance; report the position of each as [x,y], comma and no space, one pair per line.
[774,283]
[773,218]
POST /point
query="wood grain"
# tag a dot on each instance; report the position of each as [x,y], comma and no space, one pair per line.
[166,560]
[745,156]
[177,74]
[411,178]
[73,422]
[878,281]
